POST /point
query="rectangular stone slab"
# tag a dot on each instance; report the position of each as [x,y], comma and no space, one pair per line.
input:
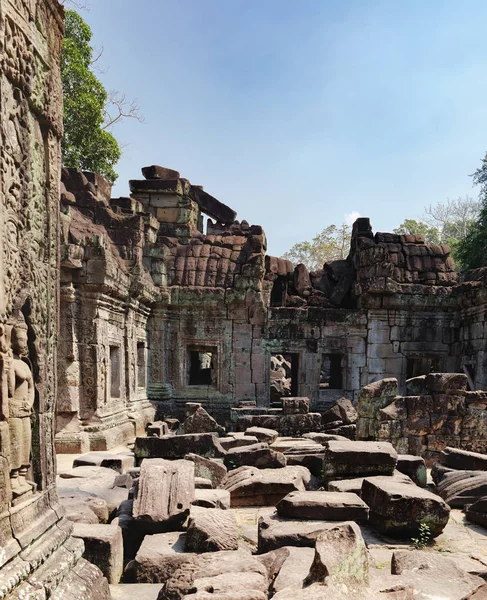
[328,506]
[177,446]
[398,509]
[353,459]
[462,459]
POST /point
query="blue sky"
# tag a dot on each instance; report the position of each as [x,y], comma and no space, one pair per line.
[297,114]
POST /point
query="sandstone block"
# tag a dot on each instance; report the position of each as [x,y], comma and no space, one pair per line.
[455,458]
[354,485]
[398,509]
[199,421]
[177,446]
[295,405]
[297,424]
[352,459]
[263,434]
[459,488]
[414,467]
[256,455]
[165,490]
[212,498]
[249,486]
[294,569]
[446,383]
[209,468]
[325,506]
[103,548]
[211,530]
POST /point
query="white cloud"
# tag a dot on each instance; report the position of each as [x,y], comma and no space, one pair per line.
[351,217]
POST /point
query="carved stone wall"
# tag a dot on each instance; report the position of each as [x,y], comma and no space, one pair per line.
[38,558]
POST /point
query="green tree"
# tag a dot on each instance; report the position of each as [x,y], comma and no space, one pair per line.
[332,243]
[413,227]
[89,110]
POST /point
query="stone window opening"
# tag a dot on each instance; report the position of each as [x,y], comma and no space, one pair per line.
[421,365]
[141,365]
[331,373]
[278,292]
[115,371]
[283,376]
[201,369]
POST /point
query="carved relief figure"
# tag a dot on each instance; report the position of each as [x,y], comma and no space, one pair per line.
[21,395]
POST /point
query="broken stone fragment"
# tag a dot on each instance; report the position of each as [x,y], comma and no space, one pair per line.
[398,509]
[157,172]
[103,548]
[199,421]
[341,557]
[326,506]
[212,498]
[177,446]
[295,406]
[459,488]
[354,485]
[414,467]
[209,468]
[297,424]
[263,434]
[165,489]
[249,486]
[211,530]
[455,458]
[256,455]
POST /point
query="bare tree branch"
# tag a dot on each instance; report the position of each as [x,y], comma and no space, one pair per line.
[120,108]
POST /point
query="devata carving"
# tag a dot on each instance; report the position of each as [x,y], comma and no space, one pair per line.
[21,395]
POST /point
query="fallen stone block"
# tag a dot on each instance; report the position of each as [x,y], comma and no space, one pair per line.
[263,434]
[177,446]
[187,579]
[459,488]
[324,506]
[82,507]
[454,458]
[295,405]
[212,498]
[200,483]
[446,383]
[347,431]
[323,438]
[477,511]
[158,557]
[296,425]
[340,557]
[230,586]
[312,459]
[256,455]
[244,422]
[199,421]
[275,532]
[432,575]
[234,442]
[117,462]
[249,486]
[353,459]
[211,530]
[414,467]
[438,471]
[398,509]
[103,548]
[165,492]
[157,429]
[294,569]
[284,444]
[208,468]
[355,485]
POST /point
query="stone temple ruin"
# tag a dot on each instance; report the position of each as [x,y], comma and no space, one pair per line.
[227,426]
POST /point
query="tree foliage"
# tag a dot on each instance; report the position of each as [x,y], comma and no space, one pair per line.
[332,243]
[472,250]
[86,145]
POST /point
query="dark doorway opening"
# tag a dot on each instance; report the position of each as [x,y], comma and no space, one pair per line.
[201,367]
[331,374]
[420,365]
[278,292]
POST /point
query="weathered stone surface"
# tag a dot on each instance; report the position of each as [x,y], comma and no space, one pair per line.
[326,506]
[211,565]
[157,429]
[297,424]
[212,498]
[158,557]
[459,488]
[200,483]
[434,576]
[177,446]
[249,486]
[414,467]
[340,557]
[157,172]
[446,383]
[268,421]
[209,468]
[199,421]
[165,490]
[263,434]
[233,442]
[82,507]
[118,462]
[323,438]
[284,444]
[211,530]
[295,406]
[294,569]
[477,511]
[398,509]
[455,458]
[352,459]
[256,455]
[312,459]
[103,548]
[230,586]
[276,532]
[354,485]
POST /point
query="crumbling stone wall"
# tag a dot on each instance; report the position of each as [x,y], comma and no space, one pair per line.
[106,298]
[437,411]
[38,557]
